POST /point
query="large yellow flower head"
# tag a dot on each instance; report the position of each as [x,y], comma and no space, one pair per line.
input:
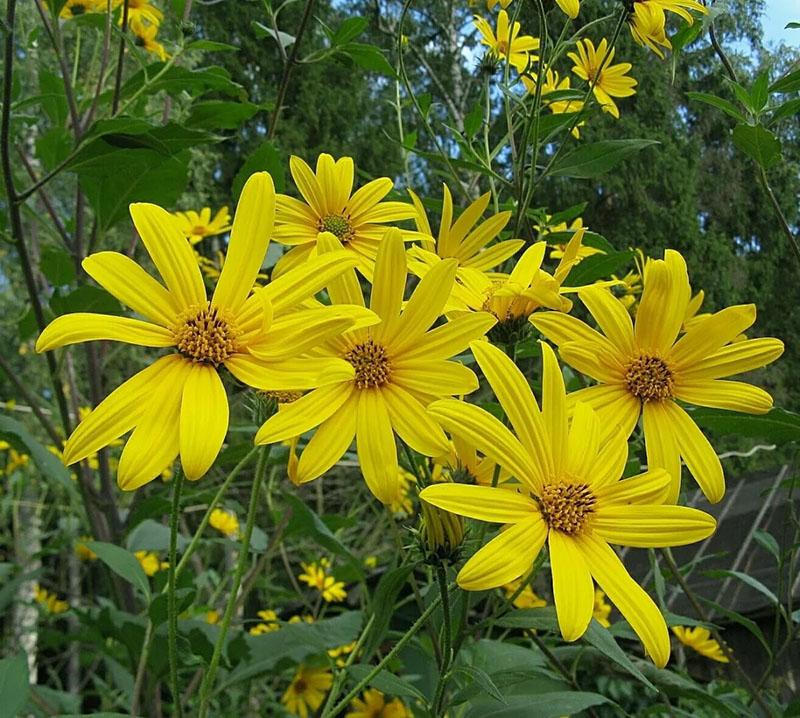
[699,639]
[355,218]
[608,81]
[75,8]
[507,43]
[145,37]
[307,690]
[178,404]
[644,368]
[142,11]
[198,225]
[400,364]
[374,704]
[464,240]
[571,497]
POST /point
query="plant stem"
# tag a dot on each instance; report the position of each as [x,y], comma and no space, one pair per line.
[140,669]
[447,651]
[120,59]
[172,609]
[787,230]
[340,675]
[244,554]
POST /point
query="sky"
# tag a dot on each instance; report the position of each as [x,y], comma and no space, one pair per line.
[777,14]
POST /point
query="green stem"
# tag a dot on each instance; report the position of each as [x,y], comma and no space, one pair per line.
[342,704]
[487,125]
[172,608]
[447,651]
[244,554]
[140,668]
[340,675]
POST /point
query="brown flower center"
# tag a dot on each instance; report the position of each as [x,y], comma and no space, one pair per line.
[338,225]
[371,363]
[502,47]
[300,685]
[205,334]
[566,506]
[649,378]
[282,397]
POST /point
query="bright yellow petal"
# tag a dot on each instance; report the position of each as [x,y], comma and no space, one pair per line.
[583,443]
[377,452]
[412,424]
[561,328]
[709,335]
[661,445]
[85,327]
[593,361]
[171,253]
[735,358]
[611,459]
[554,406]
[662,307]
[296,333]
[288,375]
[651,487]
[505,557]
[344,288]
[203,420]
[436,377]
[628,596]
[330,441]
[247,247]
[389,281]
[367,197]
[451,338]
[611,316]
[127,281]
[618,408]
[573,588]
[652,526]
[485,503]
[307,183]
[718,394]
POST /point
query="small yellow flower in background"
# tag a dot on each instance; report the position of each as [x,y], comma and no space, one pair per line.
[142,11]
[178,405]
[269,623]
[225,522]
[211,267]
[602,609]
[341,653]
[403,503]
[15,459]
[628,289]
[305,618]
[647,20]
[507,43]
[75,8]
[699,639]
[356,219]
[574,500]
[373,703]
[492,4]
[528,598]
[558,107]
[570,8]
[82,551]
[643,368]
[146,39]
[150,562]
[212,617]
[307,690]
[50,602]
[370,561]
[610,80]
[199,225]
[316,576]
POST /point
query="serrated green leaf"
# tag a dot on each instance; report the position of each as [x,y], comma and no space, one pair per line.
[778,425]
[369,57]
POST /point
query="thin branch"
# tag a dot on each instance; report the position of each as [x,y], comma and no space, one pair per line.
[48,205]
[31,400]
[104,58]
[120,59]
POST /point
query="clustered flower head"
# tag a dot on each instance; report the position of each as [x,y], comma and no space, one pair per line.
[317,575]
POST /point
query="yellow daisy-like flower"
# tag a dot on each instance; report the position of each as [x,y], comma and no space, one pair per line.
[146,39]
[643,368]
[82,551]
[150,562]
[269,623]
[225,522]
[75,8]
[198,225]
[572,498]
[602,609]
[402,503]
[570,8]
[305,618]
[492,4]
[699,639]
[355,218]
[141,11]
[212,617]
[373,704]
[554,82]
[50,602]
[528,598]
[507,43]
[317,576]
[400,364]
[609,80]
[647,24]
[307,690]
[464,240]
[178,404]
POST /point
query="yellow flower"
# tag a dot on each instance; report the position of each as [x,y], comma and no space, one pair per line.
[15,460]
[492,4]
[602,608]
[553,83]
[648,26]
[178,404]
[629,288]
[269,623]
[507,43]
[373,704]
[643,368]
[305,618]
[527,598]
[573,499]
[82,551]
[146,39]
[355,219]
[198,225]
[50,602]
[463,465]
[694,317]
[307,690]
[400,367]
[464,240]
[74,8]
[150,562]
[371,561]
[316,576]
[441,532]
[225,522]
[571,8]
[341,653]
[212,617]
[610,80]
[140,11]
[402,502]
[699,639]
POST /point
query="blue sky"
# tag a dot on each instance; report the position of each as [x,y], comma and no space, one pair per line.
[777,14]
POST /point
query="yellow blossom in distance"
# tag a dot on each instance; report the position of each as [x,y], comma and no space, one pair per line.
[507,43]
[50,602]
[269,623]
[145,37]
[602,609]
[150,562]
[340,653]
[225,522]
[178,405]
[643,368]
[699,639]
[356,219]
[212,617]
[492,4]
[553,82]
[196,226]
[648,19]
[82,551]
[317,576]
[307,690]
[573,499]
[15,460]
[76,8]
[373,704]
[400,364]
[527,598]
[607,82]
[141,11]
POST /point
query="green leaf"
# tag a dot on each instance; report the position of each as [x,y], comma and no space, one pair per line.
[151,535]
[123,563]
[758,143]
[598,266]
[746,579]
[778,425]
[590,239]
[720,103]
[159,606]
[57,266]
[604,642]
[260,30]
[211,46]
[743,621]
[264,158]
[758,93]
[787,83]
[86,298]
[14,685]
[473,120]
[386,682]
[540,619]
[685,36]
[382,606]
[349,30]
[768,542]
[220,115]
[176,80]
[792,26]
[53,146]
[790,108]
[482,680]
[53,97]
[742,95]
[592,160]
[552,704]
[369,57]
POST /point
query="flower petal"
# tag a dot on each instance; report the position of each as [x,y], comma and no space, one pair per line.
[344,288]
[573,588]
[662,307]
[377,451]
[412,424]
[611,316]
[451,338]
[296,333]
[618,408]
[735,358]
[661,445]
[330,441]
[203,420]
[593,361]
[307,184]
[709,335]
[288,375]
[583,443]
[554,406]
[435,377]
[485,503]
[651,487]
[389,281]
[560,328]
[367,197]
[611,459]
[719,394]
[86,327]
[652,526]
